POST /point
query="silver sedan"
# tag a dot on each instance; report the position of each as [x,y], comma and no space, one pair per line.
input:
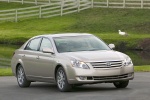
[70,60]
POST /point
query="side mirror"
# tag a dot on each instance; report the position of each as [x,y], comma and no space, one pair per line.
[47,50]
[112,46]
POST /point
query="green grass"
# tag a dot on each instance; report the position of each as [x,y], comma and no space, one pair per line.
[5,72]
[8,71]
[144,68]
[101,22]
[6,51]
[7,6]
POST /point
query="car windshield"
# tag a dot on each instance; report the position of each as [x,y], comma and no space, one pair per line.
[79,43]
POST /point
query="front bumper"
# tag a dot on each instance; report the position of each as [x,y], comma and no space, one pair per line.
[89,76]
[101,79]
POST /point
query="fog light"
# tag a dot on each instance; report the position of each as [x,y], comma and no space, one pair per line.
[129,75]
[83,78]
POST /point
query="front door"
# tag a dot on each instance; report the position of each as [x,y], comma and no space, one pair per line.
[46,61]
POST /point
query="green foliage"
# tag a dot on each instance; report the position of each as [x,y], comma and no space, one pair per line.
[138,59]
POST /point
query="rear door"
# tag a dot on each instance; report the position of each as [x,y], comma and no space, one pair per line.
[30,56]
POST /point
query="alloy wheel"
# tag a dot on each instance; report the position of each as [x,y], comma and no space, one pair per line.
[21,77]
[61,79]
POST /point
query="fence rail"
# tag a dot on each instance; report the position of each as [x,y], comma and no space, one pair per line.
[122,4]
[62,7]
[58,8]
[36,2]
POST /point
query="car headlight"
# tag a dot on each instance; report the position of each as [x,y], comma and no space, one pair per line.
[79,64]
[127,61]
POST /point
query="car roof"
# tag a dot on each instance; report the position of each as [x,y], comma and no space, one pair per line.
[63,35]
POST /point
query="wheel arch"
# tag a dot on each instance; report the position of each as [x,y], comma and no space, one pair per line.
[56,68]
[17,65]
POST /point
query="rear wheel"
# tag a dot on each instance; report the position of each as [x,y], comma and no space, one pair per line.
[61,80]
[121,84]
[21,77]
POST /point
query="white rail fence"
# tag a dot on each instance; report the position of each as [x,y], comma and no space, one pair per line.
[52,8]
[96,3]
[36,2]
[122,4]
[46,11]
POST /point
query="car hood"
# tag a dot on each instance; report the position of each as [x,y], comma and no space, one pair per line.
[95,56]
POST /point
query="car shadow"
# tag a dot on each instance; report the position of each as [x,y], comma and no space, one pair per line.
[85,88]
[96,88]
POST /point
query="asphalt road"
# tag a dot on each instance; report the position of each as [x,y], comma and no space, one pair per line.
[138,89]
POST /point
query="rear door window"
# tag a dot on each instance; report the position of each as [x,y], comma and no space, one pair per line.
[33,44]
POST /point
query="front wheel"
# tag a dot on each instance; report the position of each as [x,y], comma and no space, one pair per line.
[21,77]
[61,80]
[121,84]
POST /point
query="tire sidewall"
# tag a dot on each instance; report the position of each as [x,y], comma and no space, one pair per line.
[67,86]
[25,83]
[121,84]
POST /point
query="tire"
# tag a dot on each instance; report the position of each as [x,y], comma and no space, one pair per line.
[121,84]
[21,77]
[61,80]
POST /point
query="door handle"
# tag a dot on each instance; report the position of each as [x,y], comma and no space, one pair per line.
[37,57]
[23,55]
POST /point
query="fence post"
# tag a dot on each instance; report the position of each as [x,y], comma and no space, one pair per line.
[92,3]
[8,1]
[124,3]
[35,2]
[62,4]
[107,3]
[22,2]
[49,1]
[78,4]
[141,3]
[16,15]
[40,12]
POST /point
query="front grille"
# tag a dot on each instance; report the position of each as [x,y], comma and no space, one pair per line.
[110,77]
[106,64]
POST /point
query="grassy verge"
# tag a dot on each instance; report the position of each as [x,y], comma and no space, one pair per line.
[144,68]
[5,72]
[6,51]
[8,71]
